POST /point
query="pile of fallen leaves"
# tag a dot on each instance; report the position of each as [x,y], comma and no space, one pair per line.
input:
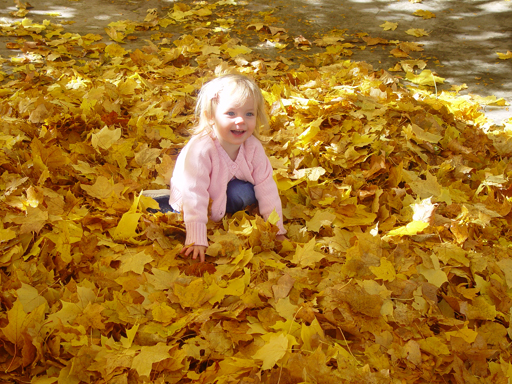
[397,203]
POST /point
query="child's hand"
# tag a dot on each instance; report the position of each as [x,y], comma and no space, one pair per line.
[195,250]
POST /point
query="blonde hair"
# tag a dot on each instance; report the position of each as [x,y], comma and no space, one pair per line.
[242,88]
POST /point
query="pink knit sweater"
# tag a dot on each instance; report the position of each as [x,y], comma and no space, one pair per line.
[202,172]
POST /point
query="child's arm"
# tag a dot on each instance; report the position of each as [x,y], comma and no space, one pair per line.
[193,183]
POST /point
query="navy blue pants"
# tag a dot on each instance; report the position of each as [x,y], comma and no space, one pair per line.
[240,194]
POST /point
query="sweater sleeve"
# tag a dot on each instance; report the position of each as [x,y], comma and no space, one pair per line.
[197,167]
[265,187]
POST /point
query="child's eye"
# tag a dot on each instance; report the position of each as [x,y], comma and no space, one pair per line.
[250,114]
[230,113]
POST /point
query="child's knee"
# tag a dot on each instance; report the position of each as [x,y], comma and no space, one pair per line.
[240,194]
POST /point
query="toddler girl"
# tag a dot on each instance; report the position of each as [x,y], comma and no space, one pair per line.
[224,162]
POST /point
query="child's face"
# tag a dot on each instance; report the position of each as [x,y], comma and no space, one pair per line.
[234,121]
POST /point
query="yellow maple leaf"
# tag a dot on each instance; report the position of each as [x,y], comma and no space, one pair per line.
[385,271]
[449,252]
[210,49]
[389,26]
[92,37]
[115,34]
[127,227]
[39,114]
[479,309]
[135,262]
[407,47]
[434,346]
[29,297]
[128,87]
[34,220]
[235,287]
[375,40]
[425,14]
[504,56]
[147,155]
[272,351]
[163,313]
[91,316]
[63,235]
[466,334]
[286,308]
[16,316]
[146,202]
[192,295]
[164,23]
[417,32]
[284,183]
[424,210]
[130,336]
[67,314]
[235,365]
[307,333]
[7,234]
[436,275]
[238,50]
[409,65]
[321,218]
[143,362]
[428,188]
[203,12]
[422,135]
[307,256]
[105,138]
[101,189]
[311,131]
[412,228]
[19,321]
[256,26]
[426,77]
[397,52]
[360,217]
[506,267]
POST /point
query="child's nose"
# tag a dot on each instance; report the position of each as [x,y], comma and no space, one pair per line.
[239,120]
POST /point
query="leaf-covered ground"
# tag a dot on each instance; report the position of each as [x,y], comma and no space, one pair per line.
[397,202]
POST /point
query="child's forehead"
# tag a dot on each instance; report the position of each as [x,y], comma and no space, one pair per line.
[235,88]
[236,93]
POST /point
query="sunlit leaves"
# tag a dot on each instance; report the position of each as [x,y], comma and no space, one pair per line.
[397,203]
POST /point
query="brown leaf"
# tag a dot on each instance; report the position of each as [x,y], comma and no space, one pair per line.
[199,269]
